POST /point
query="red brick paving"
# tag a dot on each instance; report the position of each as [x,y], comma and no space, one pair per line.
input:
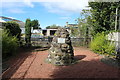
[32,65]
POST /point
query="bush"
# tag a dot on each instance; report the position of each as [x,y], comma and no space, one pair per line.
[101,45]
[13,28]
[9,44]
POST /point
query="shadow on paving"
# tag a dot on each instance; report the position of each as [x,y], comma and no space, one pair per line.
[79,57]
[41,49]
[13,63]
[86,69]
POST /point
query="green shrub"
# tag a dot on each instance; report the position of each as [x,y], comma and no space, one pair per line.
[13,28]
[101,45]
[9,44]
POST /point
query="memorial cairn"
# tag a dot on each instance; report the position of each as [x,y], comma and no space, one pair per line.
[61,50]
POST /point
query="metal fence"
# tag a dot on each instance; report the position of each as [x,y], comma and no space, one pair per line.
[75,41]
[48,40]
[80,41]
[44,42]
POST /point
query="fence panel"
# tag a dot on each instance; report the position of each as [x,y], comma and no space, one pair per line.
[80,41]
[47,40]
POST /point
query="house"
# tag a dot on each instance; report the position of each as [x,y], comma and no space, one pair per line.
[71,25]
[5,19]
[1,21]
[67,26]
[37,31]
[49,32]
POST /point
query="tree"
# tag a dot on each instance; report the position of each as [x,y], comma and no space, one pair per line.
[54,26]
[28,25]
[13,28]
[103,20]
[74,31]
[103,15]
[84,27]
[35,24]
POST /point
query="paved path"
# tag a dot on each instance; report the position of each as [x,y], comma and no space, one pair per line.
[32,65]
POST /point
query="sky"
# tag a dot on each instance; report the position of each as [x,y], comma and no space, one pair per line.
[47,12]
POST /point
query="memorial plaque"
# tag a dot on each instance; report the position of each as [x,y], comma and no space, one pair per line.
[61,40]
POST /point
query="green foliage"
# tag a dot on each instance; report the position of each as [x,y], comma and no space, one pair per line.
[74,32]
[83,28]
[84,24]
[9,44]
[54,26]
[28,25]
[102,46]
[103,15]
[35,24]
[13,28]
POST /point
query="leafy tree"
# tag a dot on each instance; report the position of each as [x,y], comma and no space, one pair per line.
[13,28]
[103,15]
[74,31]
[54,26]
[84,27]
[35,24]
[28,25]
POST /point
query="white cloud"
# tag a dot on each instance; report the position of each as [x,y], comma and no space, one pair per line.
[66,6]
[16,7]
[11,4]
[53,6]
[26,3]
[65,17]
[29,3]
[16,10]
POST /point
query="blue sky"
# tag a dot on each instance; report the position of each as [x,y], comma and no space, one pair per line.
[48,12]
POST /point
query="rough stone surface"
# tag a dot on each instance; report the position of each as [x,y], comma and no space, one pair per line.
[61,53]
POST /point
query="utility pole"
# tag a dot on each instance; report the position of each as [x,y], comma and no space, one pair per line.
[119,23]
[116,19]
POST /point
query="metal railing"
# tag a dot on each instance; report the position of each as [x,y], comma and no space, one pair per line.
[74,41]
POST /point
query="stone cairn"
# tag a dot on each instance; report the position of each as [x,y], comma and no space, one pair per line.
[61,50]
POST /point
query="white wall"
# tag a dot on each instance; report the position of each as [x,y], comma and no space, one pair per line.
[115,36]
[37,31]
[23,30]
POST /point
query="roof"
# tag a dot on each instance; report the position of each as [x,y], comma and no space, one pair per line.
[22,24]
[11,18]
[2,20]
